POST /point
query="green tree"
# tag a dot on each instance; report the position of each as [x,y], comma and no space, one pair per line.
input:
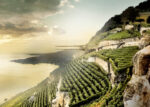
[129,15]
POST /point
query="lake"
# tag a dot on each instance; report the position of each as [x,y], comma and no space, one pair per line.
[17,77]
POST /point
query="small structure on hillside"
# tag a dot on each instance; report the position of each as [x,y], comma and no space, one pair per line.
[129,27]
[116,30]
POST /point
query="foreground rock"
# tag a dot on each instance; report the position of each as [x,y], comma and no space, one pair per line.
[137,92]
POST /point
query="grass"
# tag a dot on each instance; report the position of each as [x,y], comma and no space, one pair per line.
[123,35]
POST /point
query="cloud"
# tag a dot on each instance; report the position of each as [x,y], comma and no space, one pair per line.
[63,3]
[23,28]
[34,8]
[24,17]
[66,3]
[56,30]
[71,6]
[21,17]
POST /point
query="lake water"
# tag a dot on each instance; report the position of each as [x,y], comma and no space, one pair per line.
[16,77]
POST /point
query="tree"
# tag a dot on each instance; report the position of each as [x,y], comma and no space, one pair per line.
[148,19]
[144,6]
[129,14]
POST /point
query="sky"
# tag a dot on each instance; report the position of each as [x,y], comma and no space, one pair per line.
[37,26]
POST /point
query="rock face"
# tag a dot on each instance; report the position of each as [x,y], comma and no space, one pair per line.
[137,92]
[145,40]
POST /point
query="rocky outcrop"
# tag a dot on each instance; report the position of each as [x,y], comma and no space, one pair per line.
[137,92]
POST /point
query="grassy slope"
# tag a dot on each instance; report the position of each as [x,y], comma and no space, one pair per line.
[122,35]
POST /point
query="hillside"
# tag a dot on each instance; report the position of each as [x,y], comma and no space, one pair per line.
[105,74]
[132,15]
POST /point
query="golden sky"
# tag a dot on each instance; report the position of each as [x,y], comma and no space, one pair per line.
[36,26]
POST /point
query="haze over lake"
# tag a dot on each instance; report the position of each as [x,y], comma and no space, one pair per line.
[19,72]
[16,77]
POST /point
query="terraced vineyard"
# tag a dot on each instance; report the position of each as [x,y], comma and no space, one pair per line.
[87,82]
[84,82]
[39,96]
[43,97]
[119,58]
[113,97]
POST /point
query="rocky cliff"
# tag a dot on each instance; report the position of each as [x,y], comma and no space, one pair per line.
[137,92]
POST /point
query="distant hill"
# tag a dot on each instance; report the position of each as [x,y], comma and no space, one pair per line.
[58,58]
